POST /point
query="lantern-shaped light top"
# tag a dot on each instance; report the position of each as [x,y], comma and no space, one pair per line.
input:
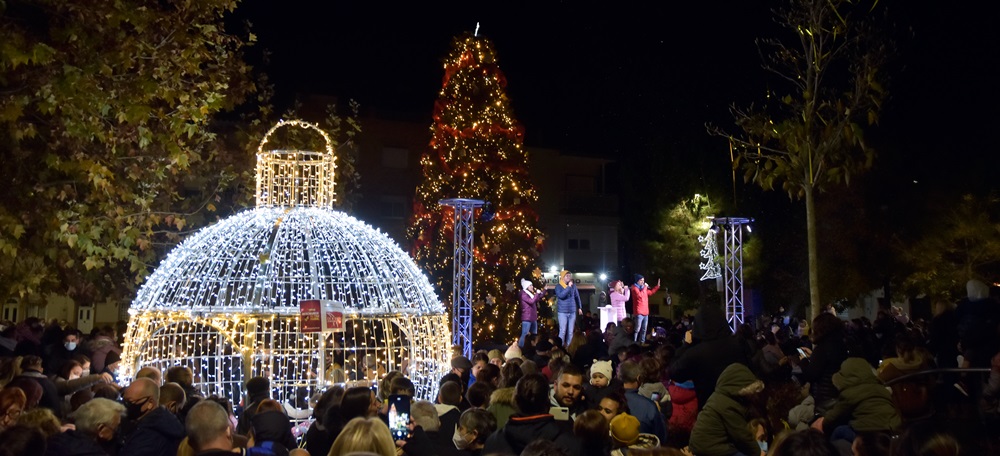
[296,178]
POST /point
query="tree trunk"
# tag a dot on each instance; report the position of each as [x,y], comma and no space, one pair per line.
[814,302]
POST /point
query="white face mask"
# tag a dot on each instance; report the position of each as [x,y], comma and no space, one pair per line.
[70,346]
[459,440]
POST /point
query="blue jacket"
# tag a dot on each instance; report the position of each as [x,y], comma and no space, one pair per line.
[644,409]
[567,299]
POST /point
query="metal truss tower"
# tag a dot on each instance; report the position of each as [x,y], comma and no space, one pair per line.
[732,228]
[461,297]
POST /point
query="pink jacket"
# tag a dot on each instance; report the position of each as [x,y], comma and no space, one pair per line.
[618,299]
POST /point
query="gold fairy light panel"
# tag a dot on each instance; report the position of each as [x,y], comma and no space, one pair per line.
[225,302]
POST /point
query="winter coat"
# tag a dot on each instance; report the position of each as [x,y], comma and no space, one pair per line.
[618,301]
[594,395]
[502,405]
[273,426]
[567,299]
[714,349]
[722,428]
[864,402]
[529,305]
[73,443]
[685,406]
[159,432]
[800,416]
[827,355]
[99,348]
[522,430]
[645,410]
[640,298]
[50,394]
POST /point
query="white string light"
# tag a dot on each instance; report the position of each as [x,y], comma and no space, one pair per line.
[225,302]
[709,252]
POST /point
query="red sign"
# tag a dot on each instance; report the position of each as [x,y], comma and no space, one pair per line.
[310,316]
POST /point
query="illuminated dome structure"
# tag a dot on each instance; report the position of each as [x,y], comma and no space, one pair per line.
[225,302]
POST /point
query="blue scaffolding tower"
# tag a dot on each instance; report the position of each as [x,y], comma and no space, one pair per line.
[461,297]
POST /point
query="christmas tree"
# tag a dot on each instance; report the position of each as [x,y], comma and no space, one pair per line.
[476,152]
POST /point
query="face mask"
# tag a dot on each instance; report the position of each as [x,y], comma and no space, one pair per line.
[459,440]
[133,410]
[85,373]
[70,346]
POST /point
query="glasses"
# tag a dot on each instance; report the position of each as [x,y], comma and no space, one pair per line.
[13,414]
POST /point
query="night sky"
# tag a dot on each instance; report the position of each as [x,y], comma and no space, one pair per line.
[635,80]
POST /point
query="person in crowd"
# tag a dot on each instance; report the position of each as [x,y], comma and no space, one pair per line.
[567,391]
[183,376]
[640,305]
[613,404]
[591,428]
[320,435]
[722,428]
[270,429]
[479,393]
[28,334]
[358,401]
[710,349]
[802,415]
[208,429]
[71,380]
[96,423]
[829,351]
[462,366]
[427,436]
[684,403]
[529,298]
[642,408]
[58,354]
[626,436]
[651,387]
[601,383]
[12,404]
[479,361]
[21,440]
[474,427]
[496,357]
[172,398]
[863,405]
[151,373]
[502,404]
[99,346]
[618,296]
[532,422]
[42,419]
[31,368]
[624,338]
[156,431]
[448,401]
[568,306]
[258,390]
[368,435]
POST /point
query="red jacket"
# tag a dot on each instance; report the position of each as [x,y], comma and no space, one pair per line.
[640,299]
[685,407]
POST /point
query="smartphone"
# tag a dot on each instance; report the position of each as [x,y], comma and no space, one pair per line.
[399,416]
[655,397]
[559,413]
[802,353]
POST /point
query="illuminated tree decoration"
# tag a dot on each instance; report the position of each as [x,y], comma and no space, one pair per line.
[476,152]
[225,302]
[710,252]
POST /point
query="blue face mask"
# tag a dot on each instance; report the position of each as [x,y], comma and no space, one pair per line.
[762,445]
[70,346]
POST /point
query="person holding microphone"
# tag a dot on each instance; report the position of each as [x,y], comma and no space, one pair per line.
[529,310]
[640,301]
[568,305]
[619,296]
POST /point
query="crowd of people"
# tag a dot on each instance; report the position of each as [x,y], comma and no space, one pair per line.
[777,386]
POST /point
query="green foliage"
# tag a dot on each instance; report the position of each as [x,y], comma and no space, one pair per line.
[962,242]
[809,133]
[109,136]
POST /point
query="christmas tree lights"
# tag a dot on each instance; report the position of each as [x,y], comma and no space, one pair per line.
[476,152]
[225,302]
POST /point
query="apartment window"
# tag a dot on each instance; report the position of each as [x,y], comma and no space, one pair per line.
[579,244]
[395,157]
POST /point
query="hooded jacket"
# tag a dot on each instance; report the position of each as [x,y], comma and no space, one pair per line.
[502,405]
[722,428]
[273,426]
[529,304]
[713,350]
[864,402]
[685,405]
[159,432]
[522,430]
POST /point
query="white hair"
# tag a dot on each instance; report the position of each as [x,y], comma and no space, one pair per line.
[96,412]
[425,415]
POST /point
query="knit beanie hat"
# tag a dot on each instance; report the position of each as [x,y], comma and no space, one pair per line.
[513,352]
[461,362]
[525,283]
[494,354]
[638,277]
[111,358]
[625,429]
[602,367]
